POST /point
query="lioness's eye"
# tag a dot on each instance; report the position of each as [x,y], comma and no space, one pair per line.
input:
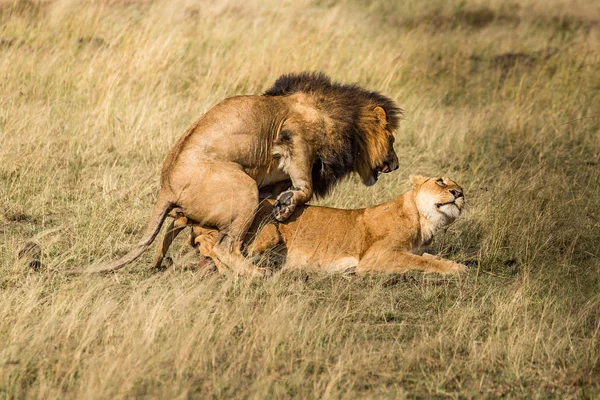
[440,182]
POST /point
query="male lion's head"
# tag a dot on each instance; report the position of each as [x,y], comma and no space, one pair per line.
[440,200]
[376,148]
[360,134]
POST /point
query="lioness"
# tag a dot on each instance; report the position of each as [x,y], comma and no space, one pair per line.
[385,238]
[302,135]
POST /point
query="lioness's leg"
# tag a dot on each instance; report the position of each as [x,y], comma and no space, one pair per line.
[204,239]
[382,258]
[265,240]
[176,226]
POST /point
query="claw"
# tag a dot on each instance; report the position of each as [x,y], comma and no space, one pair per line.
[283,207]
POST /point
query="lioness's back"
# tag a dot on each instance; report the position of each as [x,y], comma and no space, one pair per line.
[323,234]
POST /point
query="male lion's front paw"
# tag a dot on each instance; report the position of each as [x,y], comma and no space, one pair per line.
[284,206]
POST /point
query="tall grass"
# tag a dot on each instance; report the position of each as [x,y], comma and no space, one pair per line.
[501,96]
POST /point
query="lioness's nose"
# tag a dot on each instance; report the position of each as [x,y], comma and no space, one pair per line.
[456,193]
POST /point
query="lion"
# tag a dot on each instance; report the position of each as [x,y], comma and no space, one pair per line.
[299,138]
[387,238]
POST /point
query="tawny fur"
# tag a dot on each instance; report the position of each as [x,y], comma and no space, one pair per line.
[304,135]
[387,238]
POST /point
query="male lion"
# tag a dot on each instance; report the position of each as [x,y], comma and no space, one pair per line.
[305,130]
[385,238]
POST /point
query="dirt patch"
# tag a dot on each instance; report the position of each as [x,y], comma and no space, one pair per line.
[31,8]
[482,17]
[91,41]
[18,216]
[506,62]
[7,42]
[476,18]
[31,253]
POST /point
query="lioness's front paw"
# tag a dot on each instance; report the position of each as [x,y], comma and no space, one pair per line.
[284,206]
[431,256]
[457,268]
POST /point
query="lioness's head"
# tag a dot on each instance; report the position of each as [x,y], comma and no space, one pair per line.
[440,200]
[377,147]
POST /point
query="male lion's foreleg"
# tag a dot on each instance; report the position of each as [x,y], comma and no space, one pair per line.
[382,258]
[299,169]
[274,190]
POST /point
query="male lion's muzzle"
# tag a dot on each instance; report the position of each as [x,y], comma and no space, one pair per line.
[388,165]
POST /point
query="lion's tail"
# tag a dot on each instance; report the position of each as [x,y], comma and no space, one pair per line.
[159,213]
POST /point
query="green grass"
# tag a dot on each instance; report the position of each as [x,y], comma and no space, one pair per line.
[501,96]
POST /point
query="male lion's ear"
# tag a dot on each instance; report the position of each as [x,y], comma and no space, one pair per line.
[417,180]
[380,115]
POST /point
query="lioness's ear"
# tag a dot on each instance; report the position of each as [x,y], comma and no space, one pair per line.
[380,115]
[417,180]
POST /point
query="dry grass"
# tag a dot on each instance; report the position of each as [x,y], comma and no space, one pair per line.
[501,96]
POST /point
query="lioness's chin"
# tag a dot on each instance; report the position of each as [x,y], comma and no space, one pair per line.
[449,209]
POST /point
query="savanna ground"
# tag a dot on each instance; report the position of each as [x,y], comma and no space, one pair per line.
[502,96]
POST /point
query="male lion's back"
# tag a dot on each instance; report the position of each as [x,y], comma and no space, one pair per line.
[239,129]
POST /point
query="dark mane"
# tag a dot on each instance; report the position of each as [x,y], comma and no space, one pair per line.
[351,95]
[345,105]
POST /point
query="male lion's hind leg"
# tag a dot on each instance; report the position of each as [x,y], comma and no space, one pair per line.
[175,227]
[227,199]
[381,258]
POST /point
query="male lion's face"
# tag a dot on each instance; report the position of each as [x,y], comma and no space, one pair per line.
[438,197]
[387,163]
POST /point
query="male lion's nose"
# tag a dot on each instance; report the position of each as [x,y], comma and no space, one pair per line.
[393,163]
[456,193]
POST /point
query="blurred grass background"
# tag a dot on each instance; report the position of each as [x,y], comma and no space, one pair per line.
[502,96]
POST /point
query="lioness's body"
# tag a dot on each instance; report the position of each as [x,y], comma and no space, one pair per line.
[305,131]
[384,238]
